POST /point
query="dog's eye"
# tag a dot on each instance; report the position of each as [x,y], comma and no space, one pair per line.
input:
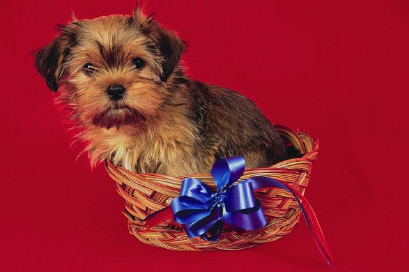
[89,69]
[139,63]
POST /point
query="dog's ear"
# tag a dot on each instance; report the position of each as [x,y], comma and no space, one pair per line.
[171,48]
[167,43]
[50,59]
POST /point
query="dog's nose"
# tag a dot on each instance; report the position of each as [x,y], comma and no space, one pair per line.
[116,92]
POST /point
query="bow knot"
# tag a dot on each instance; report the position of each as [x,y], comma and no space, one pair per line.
[219,198]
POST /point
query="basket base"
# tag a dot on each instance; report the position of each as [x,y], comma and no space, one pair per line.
[177,240]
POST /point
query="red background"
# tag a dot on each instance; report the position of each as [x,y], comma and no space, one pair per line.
[334,69]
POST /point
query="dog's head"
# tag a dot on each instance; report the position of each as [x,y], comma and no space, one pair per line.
[113,67]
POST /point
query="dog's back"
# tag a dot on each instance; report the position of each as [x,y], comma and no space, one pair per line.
[229,124]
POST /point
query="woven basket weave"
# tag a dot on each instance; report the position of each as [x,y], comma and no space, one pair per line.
[147,193]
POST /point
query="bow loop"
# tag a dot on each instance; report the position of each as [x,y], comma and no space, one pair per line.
[208,227]
[193,202]
[195,189]
[227,171]
[240,197]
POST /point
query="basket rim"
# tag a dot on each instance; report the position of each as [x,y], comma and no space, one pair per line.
[277,166]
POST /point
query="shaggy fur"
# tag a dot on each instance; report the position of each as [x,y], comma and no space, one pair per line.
[166,122]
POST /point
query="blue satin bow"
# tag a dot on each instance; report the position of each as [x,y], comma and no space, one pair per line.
[204,212]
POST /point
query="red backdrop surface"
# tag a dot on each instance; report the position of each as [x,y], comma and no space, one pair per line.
[334,69]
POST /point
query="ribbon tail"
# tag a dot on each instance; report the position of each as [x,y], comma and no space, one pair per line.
[306,209]
[314,227]
[157,217]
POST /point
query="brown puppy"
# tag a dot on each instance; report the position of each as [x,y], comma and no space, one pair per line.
[122,80]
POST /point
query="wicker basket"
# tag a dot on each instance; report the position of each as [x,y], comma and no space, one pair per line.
[147,193]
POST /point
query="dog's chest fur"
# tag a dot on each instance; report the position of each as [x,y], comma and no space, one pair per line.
[165,146]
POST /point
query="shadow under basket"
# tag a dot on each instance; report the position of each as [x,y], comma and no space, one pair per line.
[148,193]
